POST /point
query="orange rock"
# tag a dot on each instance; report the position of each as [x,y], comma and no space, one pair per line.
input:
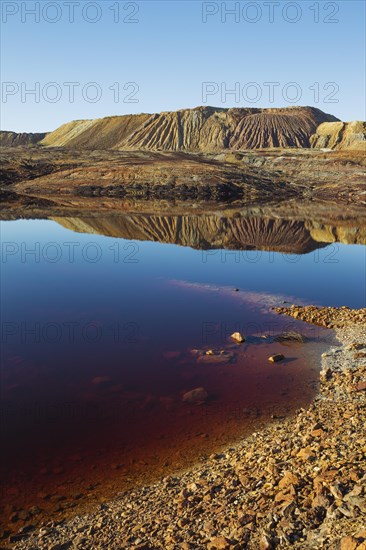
[283,496]
[288,479]
[348,543]
[318,433]
[305,453]
[360,386]
[219,543]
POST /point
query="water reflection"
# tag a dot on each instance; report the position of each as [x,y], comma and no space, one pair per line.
[237,232]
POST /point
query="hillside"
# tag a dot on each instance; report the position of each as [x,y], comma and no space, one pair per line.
[103,133]
[13,139]
[205,129]
[340,135]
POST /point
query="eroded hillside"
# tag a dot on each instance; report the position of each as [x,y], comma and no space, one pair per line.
[340,136]
[200,129]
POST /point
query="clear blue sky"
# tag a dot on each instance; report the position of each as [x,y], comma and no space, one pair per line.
[169,52]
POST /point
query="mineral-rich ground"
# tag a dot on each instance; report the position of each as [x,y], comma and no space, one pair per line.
[65,176]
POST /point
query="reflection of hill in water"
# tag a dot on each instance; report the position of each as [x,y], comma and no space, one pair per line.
[215,231]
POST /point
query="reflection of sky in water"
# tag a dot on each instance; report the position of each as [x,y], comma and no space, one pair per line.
[334,275]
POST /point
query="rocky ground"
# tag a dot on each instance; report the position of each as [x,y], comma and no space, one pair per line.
[251,177]
[300,482]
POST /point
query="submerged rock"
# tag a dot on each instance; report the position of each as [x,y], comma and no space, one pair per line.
[221,357]
[291,336]
[196,396]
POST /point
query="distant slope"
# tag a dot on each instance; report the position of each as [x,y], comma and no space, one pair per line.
[13,139]
[103,133]
[340,135]
[67,133]
[199,129]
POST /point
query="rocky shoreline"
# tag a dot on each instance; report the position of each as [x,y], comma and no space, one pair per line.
[329,317]
[300,482]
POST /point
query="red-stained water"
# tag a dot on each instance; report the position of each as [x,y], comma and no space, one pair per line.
[97,359]
[79,435]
